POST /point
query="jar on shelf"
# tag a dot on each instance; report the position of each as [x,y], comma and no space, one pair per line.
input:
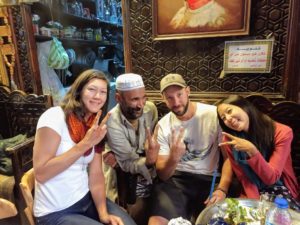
[78,34]
[88,33]
[69,31]
[45,31]
[64,4]
[55,27]
[86,13]
[98,34]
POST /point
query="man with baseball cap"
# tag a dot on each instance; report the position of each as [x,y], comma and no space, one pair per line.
[188,155]
[129,136]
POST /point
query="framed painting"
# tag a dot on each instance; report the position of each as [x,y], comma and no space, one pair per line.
[182,19]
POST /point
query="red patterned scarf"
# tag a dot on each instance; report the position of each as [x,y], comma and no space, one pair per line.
[78,129]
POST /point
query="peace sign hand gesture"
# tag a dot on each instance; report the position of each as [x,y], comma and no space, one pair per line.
[152,147]
[97,131]
[239,144]
[177,147]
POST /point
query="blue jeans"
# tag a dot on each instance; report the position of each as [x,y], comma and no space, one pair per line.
[83,212]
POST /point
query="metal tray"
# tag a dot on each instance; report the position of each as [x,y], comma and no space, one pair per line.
[208,212]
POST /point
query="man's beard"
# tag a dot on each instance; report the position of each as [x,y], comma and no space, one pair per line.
[132,113]
[184,110]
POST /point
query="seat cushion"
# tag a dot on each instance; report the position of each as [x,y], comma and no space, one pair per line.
[7,184]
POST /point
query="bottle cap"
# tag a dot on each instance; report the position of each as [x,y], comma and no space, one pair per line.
[281,203]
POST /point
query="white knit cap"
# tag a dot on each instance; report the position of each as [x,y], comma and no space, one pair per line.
[129,81]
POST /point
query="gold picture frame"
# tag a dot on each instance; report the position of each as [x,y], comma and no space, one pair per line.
[183,19]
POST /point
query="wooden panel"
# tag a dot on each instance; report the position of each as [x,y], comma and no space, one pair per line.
[27,75]
[200,61]
[292,74]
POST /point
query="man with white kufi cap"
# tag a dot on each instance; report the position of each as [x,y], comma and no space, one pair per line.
[129,130]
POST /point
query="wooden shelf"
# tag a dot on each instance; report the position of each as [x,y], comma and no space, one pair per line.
[78,21]
[67,19]
[108,23]
[48,11]
[72,19]
[41,38]
[69,41]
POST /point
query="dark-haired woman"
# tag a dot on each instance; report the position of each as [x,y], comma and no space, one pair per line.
[67,161]
[258,149]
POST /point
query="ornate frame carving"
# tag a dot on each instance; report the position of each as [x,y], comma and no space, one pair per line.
[26,75]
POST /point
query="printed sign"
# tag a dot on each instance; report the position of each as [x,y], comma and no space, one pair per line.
[248,56]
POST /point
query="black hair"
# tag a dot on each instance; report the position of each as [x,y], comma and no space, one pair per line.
[261,129]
